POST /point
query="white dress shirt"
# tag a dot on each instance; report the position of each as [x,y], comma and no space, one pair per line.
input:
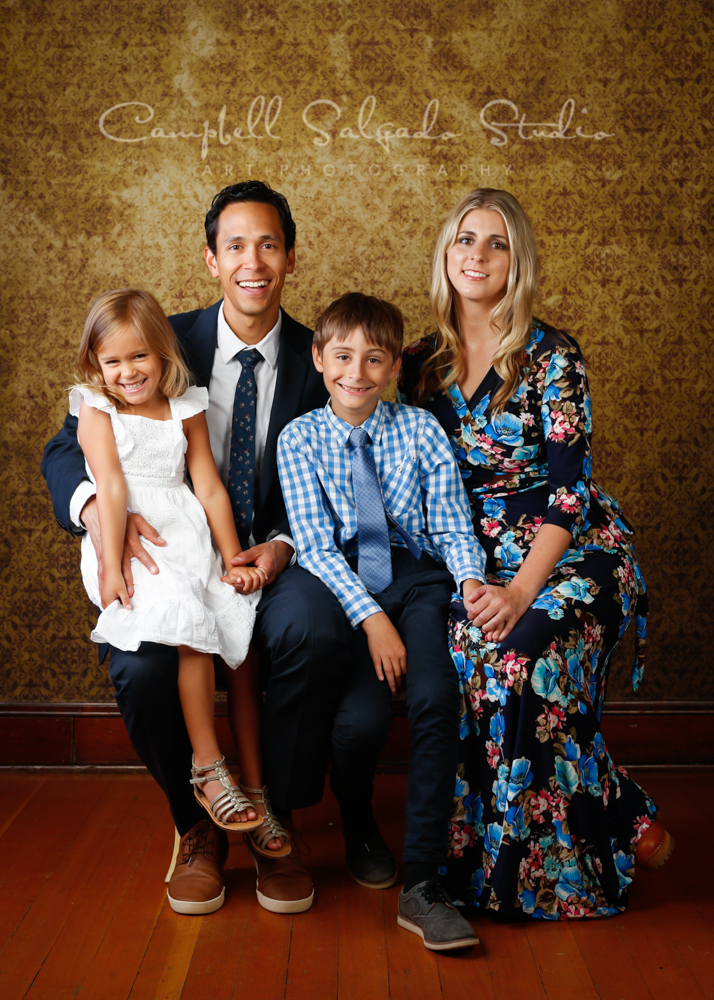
[219,415]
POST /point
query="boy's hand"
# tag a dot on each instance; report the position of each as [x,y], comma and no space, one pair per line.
[386,649]
[113,588]
[246,579]
[468,587]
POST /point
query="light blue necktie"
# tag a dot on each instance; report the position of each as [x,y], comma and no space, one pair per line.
[374,559]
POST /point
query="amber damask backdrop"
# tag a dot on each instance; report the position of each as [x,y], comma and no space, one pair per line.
[373,118]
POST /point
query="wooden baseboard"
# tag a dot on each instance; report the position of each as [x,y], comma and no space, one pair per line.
[642,734]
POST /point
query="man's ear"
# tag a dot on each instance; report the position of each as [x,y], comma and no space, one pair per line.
[210,259]
[291,261]
[395,367]
[317,357]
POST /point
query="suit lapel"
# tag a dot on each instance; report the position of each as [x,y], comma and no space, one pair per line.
[293,359]
[200,344]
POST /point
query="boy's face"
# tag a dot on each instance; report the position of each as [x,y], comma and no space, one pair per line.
[356,374]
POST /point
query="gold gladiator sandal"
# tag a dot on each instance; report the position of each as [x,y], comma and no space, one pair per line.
[270,826]
[228,802]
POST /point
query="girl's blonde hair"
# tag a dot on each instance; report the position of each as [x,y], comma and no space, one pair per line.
[138,311]
[513,315]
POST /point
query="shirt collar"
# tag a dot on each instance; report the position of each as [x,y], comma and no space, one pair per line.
[374,424]
[229,345]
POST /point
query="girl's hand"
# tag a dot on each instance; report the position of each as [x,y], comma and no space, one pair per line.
[495,609]
[113,588]
[271,556]
[246,579]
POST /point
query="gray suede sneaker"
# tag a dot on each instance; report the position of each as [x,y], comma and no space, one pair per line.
[426,910]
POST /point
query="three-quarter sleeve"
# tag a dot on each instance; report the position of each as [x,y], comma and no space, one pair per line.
[567,428]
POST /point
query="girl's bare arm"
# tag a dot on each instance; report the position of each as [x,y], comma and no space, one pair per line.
[96,439]
[214,499]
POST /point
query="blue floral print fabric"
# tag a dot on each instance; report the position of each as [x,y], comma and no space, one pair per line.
[544,824]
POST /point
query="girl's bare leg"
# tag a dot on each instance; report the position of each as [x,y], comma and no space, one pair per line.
[244,719]
[197,691]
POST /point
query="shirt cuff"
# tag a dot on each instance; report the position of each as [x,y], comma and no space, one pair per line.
[462,577]
[84,492]
[360,607]
[277,536]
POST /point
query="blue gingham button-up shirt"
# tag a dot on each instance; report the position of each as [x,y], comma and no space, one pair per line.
[421,486]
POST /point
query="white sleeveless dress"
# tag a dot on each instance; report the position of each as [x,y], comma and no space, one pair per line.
[185,603]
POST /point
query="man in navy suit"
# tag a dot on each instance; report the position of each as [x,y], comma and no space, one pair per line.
[301,634]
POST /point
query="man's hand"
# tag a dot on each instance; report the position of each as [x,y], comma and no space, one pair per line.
[272,557]
[495,609]
[136,526]
[386,649]
[246,579]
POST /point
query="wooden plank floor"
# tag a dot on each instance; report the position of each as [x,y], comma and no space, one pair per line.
[83,913]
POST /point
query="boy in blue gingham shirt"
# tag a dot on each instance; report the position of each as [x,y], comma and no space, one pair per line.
[401,631]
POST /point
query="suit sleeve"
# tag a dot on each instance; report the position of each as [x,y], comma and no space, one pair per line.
[63,468]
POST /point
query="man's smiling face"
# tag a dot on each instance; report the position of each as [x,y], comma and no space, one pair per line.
[250,262]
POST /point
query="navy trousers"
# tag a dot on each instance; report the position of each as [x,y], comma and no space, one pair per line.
[307,651]
[322,698]
[417,603]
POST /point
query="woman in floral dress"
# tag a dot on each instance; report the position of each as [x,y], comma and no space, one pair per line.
[544,824]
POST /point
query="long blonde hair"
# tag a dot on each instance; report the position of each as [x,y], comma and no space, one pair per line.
[138,311]
[513,315]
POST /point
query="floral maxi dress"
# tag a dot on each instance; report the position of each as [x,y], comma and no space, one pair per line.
[543,824]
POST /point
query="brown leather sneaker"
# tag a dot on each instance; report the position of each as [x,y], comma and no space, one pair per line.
[196,884]
[283,884]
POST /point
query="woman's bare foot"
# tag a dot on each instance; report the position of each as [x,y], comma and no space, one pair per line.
[212,789]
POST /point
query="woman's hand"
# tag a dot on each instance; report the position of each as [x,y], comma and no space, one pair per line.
[113,588]
[495,609]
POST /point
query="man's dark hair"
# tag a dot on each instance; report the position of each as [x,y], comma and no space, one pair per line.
[250,191]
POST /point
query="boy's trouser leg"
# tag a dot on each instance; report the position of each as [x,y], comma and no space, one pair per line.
[418,604]
[361,727]
[306,649]
[146,687]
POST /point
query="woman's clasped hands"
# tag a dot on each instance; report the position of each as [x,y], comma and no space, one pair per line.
[495,609]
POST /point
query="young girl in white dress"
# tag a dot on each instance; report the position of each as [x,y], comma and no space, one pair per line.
[140,424]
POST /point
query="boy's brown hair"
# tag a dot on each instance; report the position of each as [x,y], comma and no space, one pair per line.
[381,322]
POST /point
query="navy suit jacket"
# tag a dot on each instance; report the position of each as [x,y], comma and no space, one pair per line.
[299,388]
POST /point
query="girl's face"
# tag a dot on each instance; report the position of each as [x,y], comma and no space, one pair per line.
[479,261]
[131,368]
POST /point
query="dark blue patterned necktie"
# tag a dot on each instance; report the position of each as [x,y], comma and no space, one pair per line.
[241,470]
[374,559]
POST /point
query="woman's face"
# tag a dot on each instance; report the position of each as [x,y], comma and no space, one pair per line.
[479,261]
